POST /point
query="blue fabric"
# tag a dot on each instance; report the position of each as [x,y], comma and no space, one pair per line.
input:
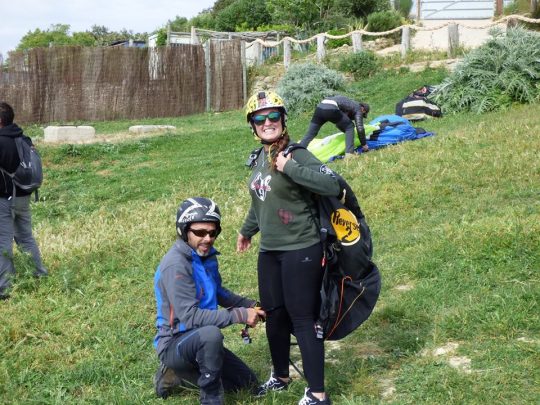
[390,134]
[207,280]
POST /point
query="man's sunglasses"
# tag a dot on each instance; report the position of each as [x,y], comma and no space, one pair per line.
[201,233]
[260,119]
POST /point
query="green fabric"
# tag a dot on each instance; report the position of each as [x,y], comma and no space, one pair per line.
[334,145]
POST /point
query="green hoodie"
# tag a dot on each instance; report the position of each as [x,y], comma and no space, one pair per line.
[282,207]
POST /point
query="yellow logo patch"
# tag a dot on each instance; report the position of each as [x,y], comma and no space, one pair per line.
[346,226]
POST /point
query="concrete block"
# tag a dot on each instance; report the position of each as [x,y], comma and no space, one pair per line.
[143,129]
[69,133]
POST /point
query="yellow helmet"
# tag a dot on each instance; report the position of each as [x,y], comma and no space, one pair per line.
[264,99]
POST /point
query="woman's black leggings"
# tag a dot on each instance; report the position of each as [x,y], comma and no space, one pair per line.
[289,286]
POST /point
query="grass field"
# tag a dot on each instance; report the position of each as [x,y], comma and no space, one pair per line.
[456,228]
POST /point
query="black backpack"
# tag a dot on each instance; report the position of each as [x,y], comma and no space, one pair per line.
[417,105]
[29,174]
[351,282]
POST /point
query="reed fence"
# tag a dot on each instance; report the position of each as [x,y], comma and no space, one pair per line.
[67,84]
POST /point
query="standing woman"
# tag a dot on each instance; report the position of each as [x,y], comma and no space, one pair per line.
[290,256]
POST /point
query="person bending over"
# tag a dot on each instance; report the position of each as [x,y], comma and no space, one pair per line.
[341,111]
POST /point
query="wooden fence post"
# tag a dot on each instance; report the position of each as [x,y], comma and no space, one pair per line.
[320,48]
[405,40]
[533,6]
[168,34]
[257,52]
[244,70]
[498,8]
[260,54]
[194,37]
[512,23]
[207,65]
[357,41]
[286,53]
[453,40]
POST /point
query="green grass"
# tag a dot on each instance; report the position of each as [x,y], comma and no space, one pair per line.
[455,221]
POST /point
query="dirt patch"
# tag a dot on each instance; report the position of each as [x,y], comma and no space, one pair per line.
[388,388]
[404,287]
[114,138]
[448,350]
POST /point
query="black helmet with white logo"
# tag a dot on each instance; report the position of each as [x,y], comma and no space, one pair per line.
[196,209]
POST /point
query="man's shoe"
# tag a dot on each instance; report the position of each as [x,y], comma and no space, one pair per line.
[166,381]
[273,384]
[310,399]
[214,398]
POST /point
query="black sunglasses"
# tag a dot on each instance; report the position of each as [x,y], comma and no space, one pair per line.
[260,119]
[201,233]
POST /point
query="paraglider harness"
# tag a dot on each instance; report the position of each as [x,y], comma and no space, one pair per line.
[351,281]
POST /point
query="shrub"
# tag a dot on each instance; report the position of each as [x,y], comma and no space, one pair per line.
[403,7]
[360,64]
[503,70]
[383,21]
[336,43]
[304,85]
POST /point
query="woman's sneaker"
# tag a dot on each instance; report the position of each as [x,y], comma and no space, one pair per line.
[310,399]
[273,384]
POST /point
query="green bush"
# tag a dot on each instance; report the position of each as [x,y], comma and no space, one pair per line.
[383,21]
[304,85]
[522,7]
[403,7]
[360,64]
[336,43]
[503,70]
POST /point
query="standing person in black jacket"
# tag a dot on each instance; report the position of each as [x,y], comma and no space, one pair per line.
[341,111]
[15,214]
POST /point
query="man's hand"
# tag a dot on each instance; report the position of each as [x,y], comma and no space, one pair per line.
[282,160]
[254,316]
[242,243]
[365,148]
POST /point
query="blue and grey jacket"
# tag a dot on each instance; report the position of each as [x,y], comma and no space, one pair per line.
[188,291]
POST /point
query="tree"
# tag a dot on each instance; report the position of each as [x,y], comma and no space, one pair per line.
[179,24]
[361,8]
[205,20]
[83,39]
[57,34]
[220,5]
[250,13]
[299,13]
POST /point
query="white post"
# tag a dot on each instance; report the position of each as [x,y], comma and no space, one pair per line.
[357,41]
[207,65]
[286,53]
[320,48]
[257,52]
[194,37]
[244,69]
[405,40]
[453,39]
[260,54]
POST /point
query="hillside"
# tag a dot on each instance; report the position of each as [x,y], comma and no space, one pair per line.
[455,221]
